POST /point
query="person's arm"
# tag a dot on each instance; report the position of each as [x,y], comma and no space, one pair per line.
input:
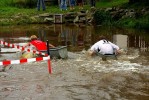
[92,50]
[117,49]
[51,46]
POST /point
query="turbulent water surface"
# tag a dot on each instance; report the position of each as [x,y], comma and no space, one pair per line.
[80,77]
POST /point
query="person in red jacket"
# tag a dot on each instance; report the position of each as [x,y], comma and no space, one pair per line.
[35,44]
[38,44]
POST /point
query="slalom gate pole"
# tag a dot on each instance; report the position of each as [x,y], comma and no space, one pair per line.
[49,63]
[48,52]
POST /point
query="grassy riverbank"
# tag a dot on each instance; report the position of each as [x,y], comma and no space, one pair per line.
[12,9]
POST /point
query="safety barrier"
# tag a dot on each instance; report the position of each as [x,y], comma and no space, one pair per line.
[8,62]
[22,48]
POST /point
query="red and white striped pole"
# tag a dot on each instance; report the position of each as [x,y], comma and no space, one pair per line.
[49,63]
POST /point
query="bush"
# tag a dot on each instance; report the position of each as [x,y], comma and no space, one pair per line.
[5,2]
[24,3]
[102,18]
[139,23]
[143,22]
[126,22]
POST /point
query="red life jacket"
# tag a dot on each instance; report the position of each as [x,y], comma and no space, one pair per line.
[40,45]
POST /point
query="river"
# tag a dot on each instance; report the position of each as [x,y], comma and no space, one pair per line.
[79,77]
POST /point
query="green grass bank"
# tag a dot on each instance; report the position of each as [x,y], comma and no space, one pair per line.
[11,8]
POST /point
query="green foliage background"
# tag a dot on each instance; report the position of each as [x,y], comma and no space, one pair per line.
[102,18]
[9,8]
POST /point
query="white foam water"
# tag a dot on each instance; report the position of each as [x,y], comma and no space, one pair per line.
[122,64]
